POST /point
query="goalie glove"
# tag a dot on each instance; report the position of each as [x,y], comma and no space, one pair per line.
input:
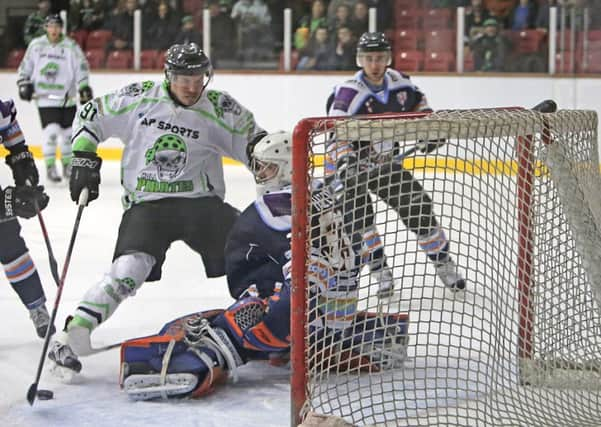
[427,147]
[22,165]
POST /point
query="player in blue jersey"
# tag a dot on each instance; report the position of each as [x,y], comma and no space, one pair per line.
[358,168]
[193,354]
[20,200]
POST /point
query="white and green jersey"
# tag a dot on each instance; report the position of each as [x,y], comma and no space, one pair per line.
[170,150]
[57,71]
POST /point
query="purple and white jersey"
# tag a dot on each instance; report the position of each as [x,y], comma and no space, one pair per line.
[10,131]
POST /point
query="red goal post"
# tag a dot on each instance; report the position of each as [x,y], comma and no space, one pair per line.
[518,191]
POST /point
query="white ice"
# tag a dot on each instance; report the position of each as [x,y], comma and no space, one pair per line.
[260,397]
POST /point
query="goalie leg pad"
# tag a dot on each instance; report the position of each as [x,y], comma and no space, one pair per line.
[383,338]
[152,386]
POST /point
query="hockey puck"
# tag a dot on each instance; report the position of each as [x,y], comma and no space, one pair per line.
[45,394]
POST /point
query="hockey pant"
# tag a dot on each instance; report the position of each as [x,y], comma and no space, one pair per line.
[127,274]
[18,265]
[403,193]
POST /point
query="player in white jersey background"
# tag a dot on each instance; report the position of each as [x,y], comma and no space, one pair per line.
[53,71]
[356,168]
[175,134]
[15,201]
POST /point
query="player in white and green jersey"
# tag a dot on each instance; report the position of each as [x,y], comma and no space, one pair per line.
[175,134]
[53,71]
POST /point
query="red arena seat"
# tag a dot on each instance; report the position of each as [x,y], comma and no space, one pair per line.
[119,59]
[98,39]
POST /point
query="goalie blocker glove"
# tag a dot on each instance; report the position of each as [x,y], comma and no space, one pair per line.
[85,94]
[85,173]
[22,165]
[21,201]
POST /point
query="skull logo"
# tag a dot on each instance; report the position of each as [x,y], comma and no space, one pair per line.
[169,155]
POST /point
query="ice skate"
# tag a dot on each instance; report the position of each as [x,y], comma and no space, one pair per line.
[41,320]
[447,272]
[385,281]
[52,174]
[63,356]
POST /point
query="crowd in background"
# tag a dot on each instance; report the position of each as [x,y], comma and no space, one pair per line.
[324,32]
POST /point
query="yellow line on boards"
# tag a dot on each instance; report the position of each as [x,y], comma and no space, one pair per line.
[429,164]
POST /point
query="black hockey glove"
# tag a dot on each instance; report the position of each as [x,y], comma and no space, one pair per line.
[85,94]
[431,145]
[251,145]
[21,201]
[85,173]
[21,162]
[25,90]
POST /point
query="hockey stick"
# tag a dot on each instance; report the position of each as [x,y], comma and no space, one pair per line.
[33,388]
[51,258]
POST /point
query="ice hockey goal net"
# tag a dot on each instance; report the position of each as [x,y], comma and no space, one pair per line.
[519,195]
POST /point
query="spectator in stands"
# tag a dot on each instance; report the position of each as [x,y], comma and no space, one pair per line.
[122,27]
[309,23]
[489,48]
[475,16]
[342,18]
[333,7]
[86,14]
[359,21]
[344,52]
[500,10]
[254,38]
[162,28]
[34,24]
[318,54]
[448,3]
[523,16]
[222,27]
[188,33]
[541,22]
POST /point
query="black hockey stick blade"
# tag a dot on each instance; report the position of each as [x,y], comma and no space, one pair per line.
[547,106]
[32,393]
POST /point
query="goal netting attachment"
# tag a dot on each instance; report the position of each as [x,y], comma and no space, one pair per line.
[517,193]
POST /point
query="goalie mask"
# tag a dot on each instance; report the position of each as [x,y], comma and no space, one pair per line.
[271,162]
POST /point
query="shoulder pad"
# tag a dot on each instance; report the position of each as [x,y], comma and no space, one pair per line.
[275,210]
[136,89]
[223,103]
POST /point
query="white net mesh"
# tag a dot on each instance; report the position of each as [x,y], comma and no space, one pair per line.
[517,194]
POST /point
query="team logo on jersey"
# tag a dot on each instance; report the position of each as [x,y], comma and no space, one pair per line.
[136,89]
[50,70]
[223,103]
[343,99]
[169,154]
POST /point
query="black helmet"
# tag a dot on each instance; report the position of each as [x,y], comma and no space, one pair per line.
[187,59]
[53,19]
[373,42]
